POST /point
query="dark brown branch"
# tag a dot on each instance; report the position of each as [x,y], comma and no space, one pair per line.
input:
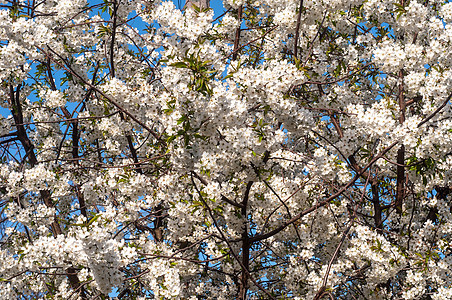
[69,69]
[297,29]
[400,192]
[353,218]
[222,15]
[75,282]
[285,206]
[223,237]
[28,147]
[264,236]
[333,81]
[223,197]
[311,46]
[336,124]
[333,119]
[400,188]
[9,140]
[235,51]
[237,33]
[412,100]
[322,289]
[113,35]
[134,154]
[435,112]
[376,203]
[246,245]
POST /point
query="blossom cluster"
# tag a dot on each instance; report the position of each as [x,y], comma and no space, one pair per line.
[279,148]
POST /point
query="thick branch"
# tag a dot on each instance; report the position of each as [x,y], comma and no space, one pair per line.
[202,4]
[400,192]
[28,147]
[237,34]
[297,29]
[113,35]
[377,205]
[246,244]
[223,237]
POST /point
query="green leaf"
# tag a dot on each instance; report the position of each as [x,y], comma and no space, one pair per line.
[179,64]
[171,138]
[182,119]
[93,219]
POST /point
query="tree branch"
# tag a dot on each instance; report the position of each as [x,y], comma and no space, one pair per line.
[263,236]
[297,29]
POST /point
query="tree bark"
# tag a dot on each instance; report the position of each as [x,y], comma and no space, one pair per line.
[400,192]
[202,4]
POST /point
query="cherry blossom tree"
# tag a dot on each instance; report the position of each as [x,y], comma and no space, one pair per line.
[283,149]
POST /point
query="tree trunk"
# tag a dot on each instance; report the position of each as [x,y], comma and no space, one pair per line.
[202,4]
